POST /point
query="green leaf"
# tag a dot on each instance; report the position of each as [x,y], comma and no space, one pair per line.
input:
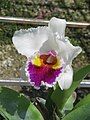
[69,104]
[83,101]
[60,97]
[15,106]
[81,111]
[2,114]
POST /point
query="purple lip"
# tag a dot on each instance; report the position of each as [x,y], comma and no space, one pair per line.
[45,74]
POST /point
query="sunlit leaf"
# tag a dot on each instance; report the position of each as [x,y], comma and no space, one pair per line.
[81,112]
[69,104]
[83,101]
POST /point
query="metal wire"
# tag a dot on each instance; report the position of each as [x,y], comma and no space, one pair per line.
[20,82]
[39,22]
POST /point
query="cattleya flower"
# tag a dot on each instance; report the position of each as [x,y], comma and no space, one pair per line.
[49,54]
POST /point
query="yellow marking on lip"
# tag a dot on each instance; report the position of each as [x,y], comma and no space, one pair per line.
[57,65]
[37,61]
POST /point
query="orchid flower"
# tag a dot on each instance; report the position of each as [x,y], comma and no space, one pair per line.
[49,54]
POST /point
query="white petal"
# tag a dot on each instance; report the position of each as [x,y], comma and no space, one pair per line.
[66,78]
[67,51]
[27,42]
[73,51]
[58,26]
[49,45]
[64,48]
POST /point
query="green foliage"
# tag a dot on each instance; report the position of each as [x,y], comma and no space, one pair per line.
[15,106]
[60,97]
[69,104]
[85,100]
[81,111]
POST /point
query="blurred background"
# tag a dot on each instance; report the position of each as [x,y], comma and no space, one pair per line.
[71,10]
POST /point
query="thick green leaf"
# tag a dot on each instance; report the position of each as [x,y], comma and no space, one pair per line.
[17,107]
[83,101]
[81,111]
[60,97]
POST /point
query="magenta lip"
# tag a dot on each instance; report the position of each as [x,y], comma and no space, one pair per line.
[43,74]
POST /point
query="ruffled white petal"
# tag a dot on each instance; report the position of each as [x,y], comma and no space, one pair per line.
[66,78]
[64,48]
[73,50]
[58,26]
[27,42]
[67,51]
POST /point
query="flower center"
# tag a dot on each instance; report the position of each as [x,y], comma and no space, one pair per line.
[44,68]
[49,59]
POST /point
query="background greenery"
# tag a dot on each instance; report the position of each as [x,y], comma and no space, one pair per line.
[71,10]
